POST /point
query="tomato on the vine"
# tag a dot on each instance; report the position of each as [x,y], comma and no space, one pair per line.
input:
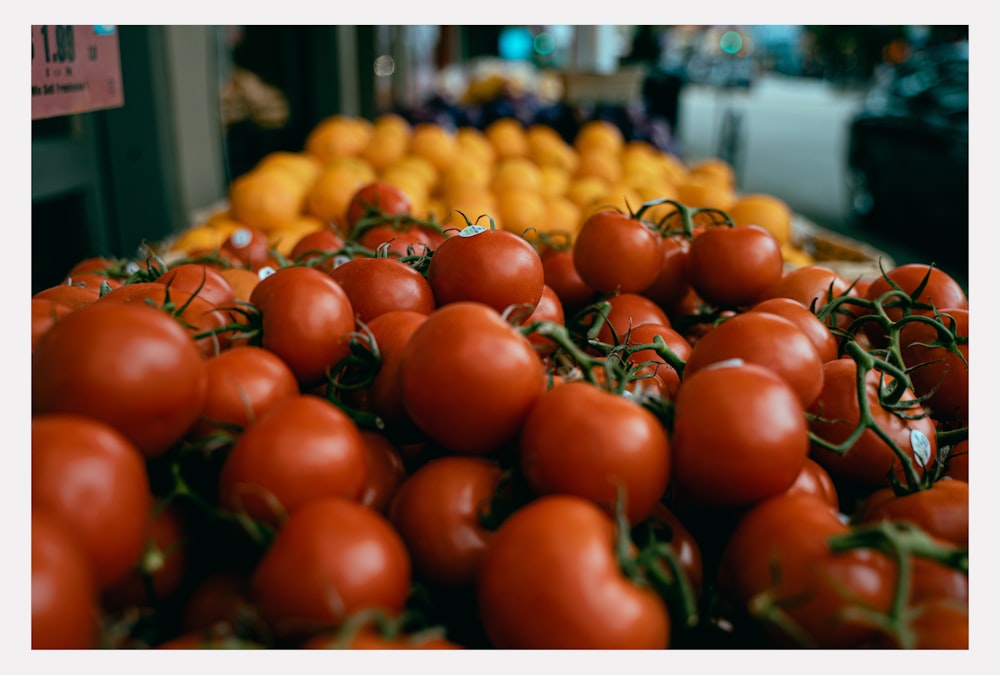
[939,375]
[378,285]
[942,510]
[615,252]
[378,199]
[734,266]
[128,365]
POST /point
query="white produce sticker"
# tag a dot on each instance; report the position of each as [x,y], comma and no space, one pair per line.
[921,446]
[471,231]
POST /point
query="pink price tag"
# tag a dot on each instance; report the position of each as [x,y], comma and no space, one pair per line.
[74,69]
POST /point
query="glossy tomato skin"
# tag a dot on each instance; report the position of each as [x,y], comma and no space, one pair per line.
[243,382]
[627,310]
[561,276]
[398,241]
[584,441]
[739,436]
[957,464]
[45,313]
[768,340]
[822,338]
[814,480]
[646,333]
[549,579]
[377,200]
[779,548]
[812,285]
[468,378]
[734,266]
[384,471]
[246,247]
[378,285]
[330,560]
[940,290]
[306,319]
[321,244]
[130,366]
[867,464]
[202,280]
[937,372]
[438,511]
[64,607]
[671,284]
[494,267]
[549,308]
[941,510]
[67,294]
[94,479]
[391,332]
[682,542]
[614,252]
[302,449]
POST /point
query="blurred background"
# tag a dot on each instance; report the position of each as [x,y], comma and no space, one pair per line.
[862,130]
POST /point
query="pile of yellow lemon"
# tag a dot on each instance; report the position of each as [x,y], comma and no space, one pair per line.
[524,177]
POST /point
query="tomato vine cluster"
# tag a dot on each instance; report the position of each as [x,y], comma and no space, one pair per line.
[402,435]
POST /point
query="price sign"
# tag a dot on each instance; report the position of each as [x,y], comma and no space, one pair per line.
[74,69]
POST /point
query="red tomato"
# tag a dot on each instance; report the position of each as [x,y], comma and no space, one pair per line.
[201,280]
[439,511]
[779,548]
[399,240]
[739,436]
[549,308]
[221,598]
[330,560]
[646,333]
[868,462]
[160,570]
[683,544]
[246,247]
[67,294]
[323,244]
[941,510]
[384,471]
[937,372]
[128,365]
[734,266]
[793,310]
[303,448]
[671,284]
[378,285]
[306,319]
[392,331]
[814,480]
[767,340]
[495,267]
[94,480]
[198,316]
[614,252]
[64,608]
[45,313]
[584,441]
[940,290]
[550,579]
[957,463]
[243,382]
[812,285]
[628,310]
[379,200]
[561,276]
[468,378]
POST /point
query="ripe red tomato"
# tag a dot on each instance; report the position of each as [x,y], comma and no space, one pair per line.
[646,333]
[814,480]
[303,448]
[868,462]
[779,548]
[378,285]
[628,310]
[64,607]
[937,372]
[377,200]
[439,511]
[941,510]
[128,365]
[306,318]
[202,280]
[768,340]
[739,436]
[671,284]
[243,382]
[45,313]
[391,332]
[323,243]
[812,285]
[220,598]
[468,378]
[940,290]
[384,471]
[549,308]
[957,463]
[398,240]
[67,294]
[682,542]
[584,441]
[94,480]
[561,276]
[246,247]
[331,559]
[614,252]
[198,316]
[793,310]
[734,266]
[550,579]
[495,267]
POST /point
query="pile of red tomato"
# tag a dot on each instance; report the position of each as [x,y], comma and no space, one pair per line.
[652,436]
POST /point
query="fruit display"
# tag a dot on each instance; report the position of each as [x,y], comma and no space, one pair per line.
[422,388]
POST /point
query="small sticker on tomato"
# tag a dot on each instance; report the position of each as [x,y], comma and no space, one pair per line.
[340,259]
[471,231]
[265,271]
[241,237]
[921,446]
